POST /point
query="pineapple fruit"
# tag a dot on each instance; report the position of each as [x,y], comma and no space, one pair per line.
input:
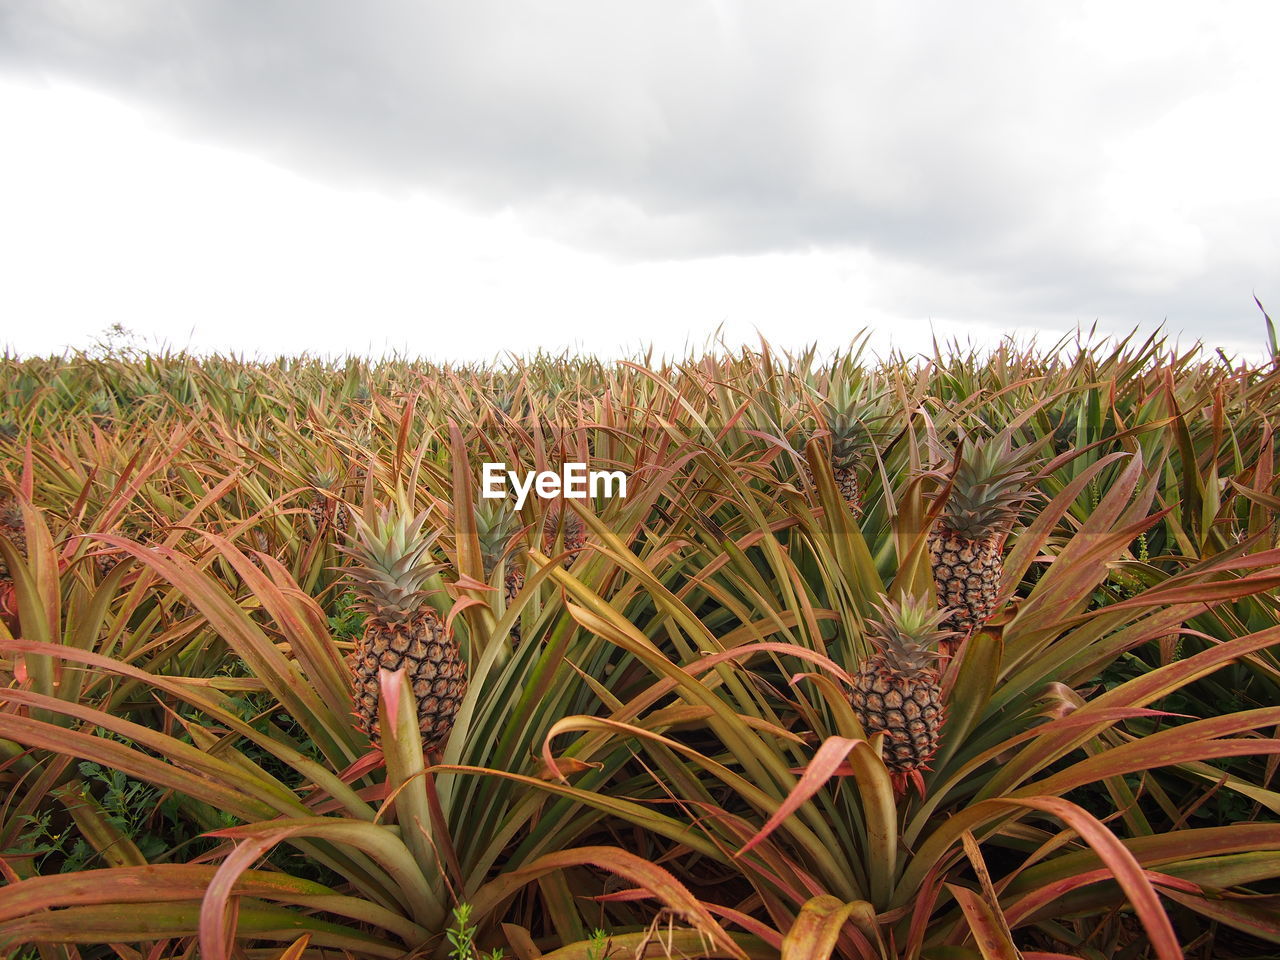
[989,488]
[13,529]
[847,450]
[559,523]
[402,631]
[324,502]
[846,415]
[897,690]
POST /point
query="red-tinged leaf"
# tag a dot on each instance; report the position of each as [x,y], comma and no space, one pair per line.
[216,936]
[1215,592]
[564,767]
[297,949]
[606,622]
[115,755]
[1124,867]
[769,646]
[460,605]
[1257,916]
[149,884]
[922,907]
[677,715]
[829,758]
[1110,851]
[386,849]
[299,618]
[748,923]
[1258,497]
[522,945]
[621,896]
[1052,891]
[113,844]
[1177,848]
[465,582]
[987,929]
[469,563]
[97,925]
[669,941]
[24,592]
[816,929]
[1238,561]
[989,896]
[283,677]
[43,561]
[390,683]
[1142,689]
[26,486]
[644,816]
[1202,740]
[1028,543]
[402,434]
[191,693]
[371,761]
[626,865]
[408,779]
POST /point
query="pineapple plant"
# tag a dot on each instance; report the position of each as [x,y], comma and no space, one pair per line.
[990,485]
[106,558]
[850,443]
[897,690]
[13,529]
[848,415]
[102,411]
[392,553]
[559,523]
[496,526]
[324,500]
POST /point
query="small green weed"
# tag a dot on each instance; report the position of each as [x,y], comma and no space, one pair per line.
[462,935]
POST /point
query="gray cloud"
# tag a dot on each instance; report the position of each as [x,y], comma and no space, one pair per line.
[974,142]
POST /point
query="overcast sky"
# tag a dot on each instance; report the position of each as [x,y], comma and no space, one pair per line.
[454,180]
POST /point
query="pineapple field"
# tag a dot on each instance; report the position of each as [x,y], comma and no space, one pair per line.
[970,655]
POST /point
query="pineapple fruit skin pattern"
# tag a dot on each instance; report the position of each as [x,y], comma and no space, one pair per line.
[11,527]
[419,645]
[908,710]
[847,482]
[966,574]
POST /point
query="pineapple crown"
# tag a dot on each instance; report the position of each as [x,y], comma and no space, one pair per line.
[990,484]
[849,415]
[324,483]
[907,633]
[393,561]
[505,401]
[325,477]
[496,524]
[557,518]
[10,513]
[850,438]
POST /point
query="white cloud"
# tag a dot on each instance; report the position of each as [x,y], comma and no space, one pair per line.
[462,180]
